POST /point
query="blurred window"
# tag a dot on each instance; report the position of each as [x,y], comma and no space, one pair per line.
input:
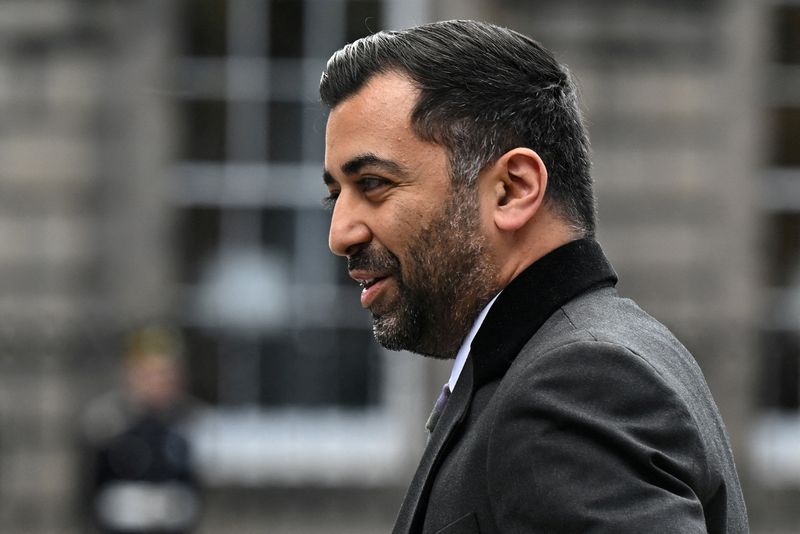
[362,18]
[286,14]
[781,379]
[285,125]
[203,133]
[785,148]
[776,437]
[277,340]
[787,23]
[203,27]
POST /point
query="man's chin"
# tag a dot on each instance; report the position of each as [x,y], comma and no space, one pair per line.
[392,335]
[384,328]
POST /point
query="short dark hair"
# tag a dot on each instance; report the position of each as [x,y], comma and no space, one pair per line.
[484,90]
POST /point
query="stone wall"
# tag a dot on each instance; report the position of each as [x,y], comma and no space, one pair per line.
[81,153]
[86,137]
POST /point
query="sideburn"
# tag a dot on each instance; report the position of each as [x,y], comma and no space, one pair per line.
[453,278]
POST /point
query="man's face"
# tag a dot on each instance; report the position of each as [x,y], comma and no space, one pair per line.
[414,244]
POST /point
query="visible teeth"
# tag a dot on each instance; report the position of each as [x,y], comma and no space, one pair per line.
[366,283]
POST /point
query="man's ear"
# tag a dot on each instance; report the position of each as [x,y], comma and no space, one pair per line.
[520,181]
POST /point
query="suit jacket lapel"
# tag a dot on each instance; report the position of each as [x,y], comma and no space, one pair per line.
[412,512]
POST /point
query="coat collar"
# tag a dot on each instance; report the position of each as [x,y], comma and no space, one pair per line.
[516,315]
[531,298]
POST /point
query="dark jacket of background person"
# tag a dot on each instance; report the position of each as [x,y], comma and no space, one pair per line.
[138,470]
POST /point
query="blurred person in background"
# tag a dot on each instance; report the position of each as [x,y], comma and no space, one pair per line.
[458,171]
[139,473]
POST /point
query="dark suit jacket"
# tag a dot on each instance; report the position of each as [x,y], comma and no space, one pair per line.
[576,412]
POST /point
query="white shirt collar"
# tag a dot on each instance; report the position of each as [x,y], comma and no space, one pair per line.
[463,352]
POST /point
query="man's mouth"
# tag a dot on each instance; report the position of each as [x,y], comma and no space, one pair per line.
[371,286]
[369,282]
[372,269]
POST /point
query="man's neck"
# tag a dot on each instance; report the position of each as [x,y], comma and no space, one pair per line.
[463,352]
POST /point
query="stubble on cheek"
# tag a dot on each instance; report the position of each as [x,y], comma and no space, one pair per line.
[446,279]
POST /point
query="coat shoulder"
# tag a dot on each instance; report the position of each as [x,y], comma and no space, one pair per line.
[601,358]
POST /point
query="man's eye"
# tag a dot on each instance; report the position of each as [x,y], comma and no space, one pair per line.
[369,184]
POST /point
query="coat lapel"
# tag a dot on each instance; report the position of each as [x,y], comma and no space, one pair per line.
[412,512]
[522,307]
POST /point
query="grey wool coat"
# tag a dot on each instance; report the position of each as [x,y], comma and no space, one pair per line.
[576,413]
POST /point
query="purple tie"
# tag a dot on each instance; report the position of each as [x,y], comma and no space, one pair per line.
[438,408]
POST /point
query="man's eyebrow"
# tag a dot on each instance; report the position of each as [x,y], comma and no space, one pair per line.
[355,165]
[371,160]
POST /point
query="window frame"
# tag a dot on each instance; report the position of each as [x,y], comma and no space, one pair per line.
[248,444]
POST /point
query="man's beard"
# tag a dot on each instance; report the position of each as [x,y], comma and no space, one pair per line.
[446,280]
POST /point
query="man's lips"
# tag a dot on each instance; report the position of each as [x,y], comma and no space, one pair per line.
[371,285]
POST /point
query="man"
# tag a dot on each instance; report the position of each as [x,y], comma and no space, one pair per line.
[458,170]
[138,467]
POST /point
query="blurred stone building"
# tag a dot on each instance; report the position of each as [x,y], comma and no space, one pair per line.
[161,160]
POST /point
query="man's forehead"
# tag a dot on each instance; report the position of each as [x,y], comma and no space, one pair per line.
[374,120]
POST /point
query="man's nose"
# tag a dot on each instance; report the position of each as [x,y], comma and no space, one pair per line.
[349,231]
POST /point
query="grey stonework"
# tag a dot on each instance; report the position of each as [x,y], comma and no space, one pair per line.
[87,135]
